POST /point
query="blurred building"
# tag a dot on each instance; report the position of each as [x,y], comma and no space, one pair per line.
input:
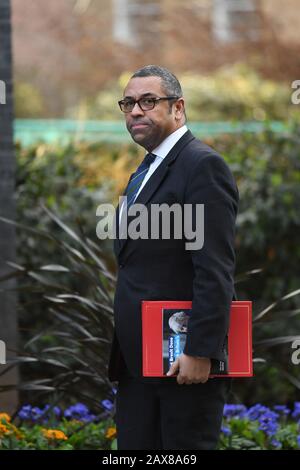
[72,48]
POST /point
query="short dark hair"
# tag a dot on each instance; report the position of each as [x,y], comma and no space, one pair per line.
[169,82]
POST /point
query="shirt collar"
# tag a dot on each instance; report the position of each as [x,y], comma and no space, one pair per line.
[166,145]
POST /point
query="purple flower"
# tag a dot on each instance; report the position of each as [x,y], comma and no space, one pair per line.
[89,418]
[25,412]
[78,409]
[36,413]
[55,412]
[276,443]
[226,431]
[107,404]
[268,422]
[255,411]
[234,411]
[80,412]
[296,412]
[282,409]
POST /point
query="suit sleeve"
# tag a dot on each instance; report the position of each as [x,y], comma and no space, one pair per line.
[212,184]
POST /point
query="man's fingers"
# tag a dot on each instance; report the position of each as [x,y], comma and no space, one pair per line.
[181,379]
[173,368]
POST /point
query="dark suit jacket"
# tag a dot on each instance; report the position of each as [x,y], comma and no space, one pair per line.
[162,269]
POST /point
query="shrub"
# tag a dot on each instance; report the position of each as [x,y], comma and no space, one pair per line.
[232,93]
[60,265]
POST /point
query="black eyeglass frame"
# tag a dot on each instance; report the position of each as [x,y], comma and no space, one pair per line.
[154,99]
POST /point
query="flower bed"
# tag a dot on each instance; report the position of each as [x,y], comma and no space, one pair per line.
[52,428]
[256,427]
[260,427]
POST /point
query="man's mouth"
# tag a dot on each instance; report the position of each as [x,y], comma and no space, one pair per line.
[138,125]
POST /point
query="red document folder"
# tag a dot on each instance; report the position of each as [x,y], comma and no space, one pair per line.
[239,345]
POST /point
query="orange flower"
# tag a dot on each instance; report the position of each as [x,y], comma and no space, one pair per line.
[5,417]
[8,428]
[54,434]
[110,433]
[4,430]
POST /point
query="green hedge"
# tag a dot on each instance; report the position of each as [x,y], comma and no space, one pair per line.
[73,180]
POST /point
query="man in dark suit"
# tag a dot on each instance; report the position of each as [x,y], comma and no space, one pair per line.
[184,410]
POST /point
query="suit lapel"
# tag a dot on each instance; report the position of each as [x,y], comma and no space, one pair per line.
[152,184]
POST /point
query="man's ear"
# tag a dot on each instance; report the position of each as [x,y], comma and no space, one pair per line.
[179,109]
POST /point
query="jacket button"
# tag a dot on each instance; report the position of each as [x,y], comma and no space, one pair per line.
[121,266]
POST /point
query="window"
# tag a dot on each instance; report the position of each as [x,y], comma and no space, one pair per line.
[235,20]
[133,20]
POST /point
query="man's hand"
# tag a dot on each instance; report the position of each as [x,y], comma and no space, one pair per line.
[191,369]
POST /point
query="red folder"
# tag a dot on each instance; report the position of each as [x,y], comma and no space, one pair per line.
[239,337]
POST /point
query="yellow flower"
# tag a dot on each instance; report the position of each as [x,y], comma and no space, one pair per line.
[5,417]
[110,433]
[4,430]
[54,434]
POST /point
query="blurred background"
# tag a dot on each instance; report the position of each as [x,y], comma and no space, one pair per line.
[64,150]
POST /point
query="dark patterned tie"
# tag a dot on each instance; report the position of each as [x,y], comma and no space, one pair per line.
[137,179]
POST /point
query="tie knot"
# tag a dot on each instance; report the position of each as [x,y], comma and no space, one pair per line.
[149,158]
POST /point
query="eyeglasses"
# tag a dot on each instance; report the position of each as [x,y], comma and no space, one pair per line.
[146,104]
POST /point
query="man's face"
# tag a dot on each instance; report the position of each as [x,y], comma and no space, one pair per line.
[150,128]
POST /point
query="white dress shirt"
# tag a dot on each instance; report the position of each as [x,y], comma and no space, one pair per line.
[161,152]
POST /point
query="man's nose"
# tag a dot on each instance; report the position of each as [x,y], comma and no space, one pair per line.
[136,110]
